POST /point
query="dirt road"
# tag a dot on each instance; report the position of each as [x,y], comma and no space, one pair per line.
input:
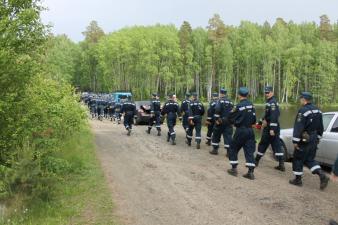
[154,183]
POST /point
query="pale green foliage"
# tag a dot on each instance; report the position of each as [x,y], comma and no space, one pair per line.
[290,57]
[37,111]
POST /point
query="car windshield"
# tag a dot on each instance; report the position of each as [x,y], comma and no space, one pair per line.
[326,120]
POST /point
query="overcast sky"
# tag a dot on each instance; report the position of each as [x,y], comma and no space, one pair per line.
[72,16]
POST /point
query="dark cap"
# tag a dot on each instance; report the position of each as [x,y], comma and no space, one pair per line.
[268,89]
[154,94]
[171,95]
[215,94]
[223,91]
[194,94]
[306,95]
[187,94]
[243,91]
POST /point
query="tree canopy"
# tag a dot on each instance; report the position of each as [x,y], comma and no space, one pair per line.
[291,57]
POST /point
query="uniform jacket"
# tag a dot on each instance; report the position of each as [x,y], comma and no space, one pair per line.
[272,114]
[185,107]
[243,114]
[196,109]
[223,109]
[155,105]
[129,108]
[170,107]
[310,120]
[211,110]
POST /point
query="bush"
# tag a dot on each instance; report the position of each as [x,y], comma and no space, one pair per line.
[51,115]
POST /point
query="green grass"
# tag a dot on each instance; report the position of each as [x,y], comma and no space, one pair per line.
[82,197]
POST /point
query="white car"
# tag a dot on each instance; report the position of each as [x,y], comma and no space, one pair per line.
[327,149]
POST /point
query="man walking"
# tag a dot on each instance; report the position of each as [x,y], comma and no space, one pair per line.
[307,132]
[271,130]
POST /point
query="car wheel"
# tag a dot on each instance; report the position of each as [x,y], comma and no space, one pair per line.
[285,151]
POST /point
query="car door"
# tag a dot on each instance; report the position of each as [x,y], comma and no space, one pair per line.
[328,119]
[329,144]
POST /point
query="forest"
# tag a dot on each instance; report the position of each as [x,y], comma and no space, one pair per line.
[162,58]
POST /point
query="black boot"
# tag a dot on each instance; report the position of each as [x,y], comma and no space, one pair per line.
[324,180]
[158,132]
[148,131]
[214,151]
[250,175]
[233,171]
[173,142]
[281,166]
[257,159]
[297,181]
[129,131]
[198,146]
[168,138]
[208,142]
[188,142]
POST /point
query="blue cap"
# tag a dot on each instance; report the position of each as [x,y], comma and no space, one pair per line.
[215,94]
[223,91]
[243,91]
[268,89]
[306,95]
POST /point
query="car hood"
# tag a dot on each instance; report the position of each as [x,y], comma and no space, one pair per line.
[286,132]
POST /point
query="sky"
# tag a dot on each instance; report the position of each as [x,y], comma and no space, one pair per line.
[71,17]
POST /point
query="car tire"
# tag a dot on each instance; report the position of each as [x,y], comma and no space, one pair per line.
[285,151]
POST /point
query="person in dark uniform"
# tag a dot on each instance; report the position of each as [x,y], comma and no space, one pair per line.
[184,111]
[101,104]
[222,125]
[117,112]
[243,116]
[111,105]
[171,109]
[210,122]
[335,170]
[196,112]
[307,132]
[271,130]
[334,178]
[93,106]
[129,110]
[155,114]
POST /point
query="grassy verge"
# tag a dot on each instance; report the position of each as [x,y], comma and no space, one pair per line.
[82,197]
